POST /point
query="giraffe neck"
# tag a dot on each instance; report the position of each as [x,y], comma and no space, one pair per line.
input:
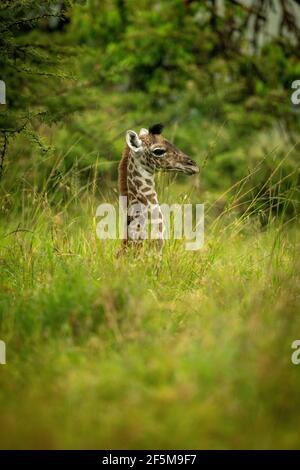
[142,199]
[140,183]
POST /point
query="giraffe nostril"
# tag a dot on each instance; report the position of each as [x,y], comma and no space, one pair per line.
[190,162]
[191,166]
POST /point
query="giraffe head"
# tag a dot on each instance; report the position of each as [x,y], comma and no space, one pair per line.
[153,152]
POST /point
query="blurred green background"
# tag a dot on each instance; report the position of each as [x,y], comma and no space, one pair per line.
[187,350]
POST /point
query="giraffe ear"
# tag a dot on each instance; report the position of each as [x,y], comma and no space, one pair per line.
[143,132]
[133,141]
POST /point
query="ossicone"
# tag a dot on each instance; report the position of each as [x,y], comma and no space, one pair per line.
[156,129]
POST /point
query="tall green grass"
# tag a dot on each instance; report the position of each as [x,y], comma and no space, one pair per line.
[179,350]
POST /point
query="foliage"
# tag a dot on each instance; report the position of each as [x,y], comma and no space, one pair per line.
[187,349]
[191,349]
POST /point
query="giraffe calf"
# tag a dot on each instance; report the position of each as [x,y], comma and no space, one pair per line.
[145,154]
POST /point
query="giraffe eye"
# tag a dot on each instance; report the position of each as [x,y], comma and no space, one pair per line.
[159,152]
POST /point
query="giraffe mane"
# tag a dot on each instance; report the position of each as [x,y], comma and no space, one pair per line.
[123,172]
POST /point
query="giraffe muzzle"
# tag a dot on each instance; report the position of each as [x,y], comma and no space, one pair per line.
[189,167]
